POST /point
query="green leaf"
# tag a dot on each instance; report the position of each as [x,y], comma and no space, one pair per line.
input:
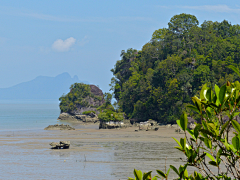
[178,123]
[226,144]
[147,175]
[203,92]
[208,111]
[183,142]
[193,108]
[213,163]
[161,173]
[235,142]
[209,95]
[222,94]
[210,156]
[208,143]
[155,178]
[191,132]
[224,127]
[174,169]
[236,113]
[196,130]
[197,103]
[206,132]
[201,157]
[211,126]
[204,125]
[236,125]
[236,70]
[137,174]
[168,172]
[219,153]
[183,171]
[184,121]
[130,178]
[217,90]
[179,148]
[177,142]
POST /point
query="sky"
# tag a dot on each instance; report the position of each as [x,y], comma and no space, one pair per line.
[85,38]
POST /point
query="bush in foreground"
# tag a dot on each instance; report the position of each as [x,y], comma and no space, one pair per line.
[209,146]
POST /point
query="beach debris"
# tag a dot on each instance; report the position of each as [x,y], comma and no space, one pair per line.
[60,145]
[59,127]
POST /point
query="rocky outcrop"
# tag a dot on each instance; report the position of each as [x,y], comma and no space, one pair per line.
[97,92]
[91,118]
[114,124]
[149,125]
[92,102]
[59,127]
[60,145]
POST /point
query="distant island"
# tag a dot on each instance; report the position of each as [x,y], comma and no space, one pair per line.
[40,88]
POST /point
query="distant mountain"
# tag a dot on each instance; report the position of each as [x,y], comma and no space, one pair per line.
[42,87]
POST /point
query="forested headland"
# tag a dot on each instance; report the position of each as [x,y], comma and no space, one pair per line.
[158,81]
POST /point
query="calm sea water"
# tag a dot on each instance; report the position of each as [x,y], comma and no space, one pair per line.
[28,115]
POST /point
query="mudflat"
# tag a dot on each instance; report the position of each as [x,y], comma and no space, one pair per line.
[93,153]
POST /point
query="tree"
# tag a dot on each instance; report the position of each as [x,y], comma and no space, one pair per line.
[182,23]
[184,53]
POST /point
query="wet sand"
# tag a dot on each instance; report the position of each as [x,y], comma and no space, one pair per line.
[93,154]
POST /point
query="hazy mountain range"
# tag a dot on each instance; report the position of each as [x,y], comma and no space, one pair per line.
[42,87]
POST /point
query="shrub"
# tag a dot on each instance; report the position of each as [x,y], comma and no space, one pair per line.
[109,115]
[209,144]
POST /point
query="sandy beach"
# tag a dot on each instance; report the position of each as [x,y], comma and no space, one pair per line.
[93,154]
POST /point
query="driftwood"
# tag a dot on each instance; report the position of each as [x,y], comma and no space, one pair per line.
[60,145]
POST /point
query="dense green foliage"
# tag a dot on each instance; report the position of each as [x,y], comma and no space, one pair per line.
[159,80]
[88,112]
[78,96]
[211,148]
[107,111]
[110,115]
[107,105]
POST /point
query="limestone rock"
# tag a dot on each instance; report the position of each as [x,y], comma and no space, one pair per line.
[60,145]
[114,125]
[59,127]
[91,118]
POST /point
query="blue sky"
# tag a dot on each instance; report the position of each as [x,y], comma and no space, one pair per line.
[85,38]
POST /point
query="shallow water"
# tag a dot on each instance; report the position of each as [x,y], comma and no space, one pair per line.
[28,116]
[25,152]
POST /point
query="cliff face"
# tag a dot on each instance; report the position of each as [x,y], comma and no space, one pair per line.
[97,92]
[82,97]
[92,102]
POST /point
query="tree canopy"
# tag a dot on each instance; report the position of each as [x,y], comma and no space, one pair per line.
[79,96]
[157,81]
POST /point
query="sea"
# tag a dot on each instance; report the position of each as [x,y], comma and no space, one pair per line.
[28,114]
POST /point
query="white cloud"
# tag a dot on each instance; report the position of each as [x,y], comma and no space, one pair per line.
[213,8]
[63,45]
